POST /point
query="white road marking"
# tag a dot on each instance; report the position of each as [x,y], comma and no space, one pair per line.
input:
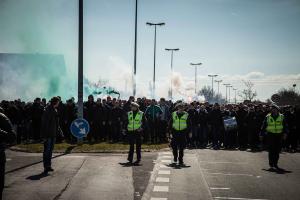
[8,159]
[165,172]
[236,198]
[166,161]
[167,153]
[162,180]
[164,166]
[222,162]
[154,198]
[167,157]
[161,188]
[215,188]
[229,174]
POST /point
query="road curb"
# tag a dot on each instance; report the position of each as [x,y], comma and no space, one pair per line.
[18,149]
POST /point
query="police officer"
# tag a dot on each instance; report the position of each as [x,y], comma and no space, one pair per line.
[7,135]
[179,126]
[134,124]
[275,127]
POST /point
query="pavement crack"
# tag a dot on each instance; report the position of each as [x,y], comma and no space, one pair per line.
[69,182]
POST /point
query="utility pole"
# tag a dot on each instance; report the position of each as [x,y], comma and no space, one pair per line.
[171,89]
[154,24]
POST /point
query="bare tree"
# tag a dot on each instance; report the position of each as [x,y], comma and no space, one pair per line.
[209,96]
[249,93]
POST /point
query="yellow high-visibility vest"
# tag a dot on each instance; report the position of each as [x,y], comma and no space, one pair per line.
[136,122]
[180,124]
[275,126]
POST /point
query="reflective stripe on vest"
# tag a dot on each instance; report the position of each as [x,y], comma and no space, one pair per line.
[134,123]
[179,124]
[274,126]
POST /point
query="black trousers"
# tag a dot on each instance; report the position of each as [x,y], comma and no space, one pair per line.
[242,137]
[134,138]
[274,147]
[2,172]
[292,139]
[178,144]
[153,126]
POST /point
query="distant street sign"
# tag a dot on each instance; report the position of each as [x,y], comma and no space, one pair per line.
[275,98]
[80,128]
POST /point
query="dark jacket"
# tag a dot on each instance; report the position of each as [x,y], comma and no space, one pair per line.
[254,121]
[193,115]
[50,123]
[241,118]
[216,118]
[7,135]
[202,117]
[116,115]
[101,114]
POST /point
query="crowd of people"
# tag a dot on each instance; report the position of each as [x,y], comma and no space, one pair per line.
[106,118]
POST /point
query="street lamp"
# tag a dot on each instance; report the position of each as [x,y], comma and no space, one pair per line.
[196,65]
[172,50]
[135,44]
[230,86]
[218,81]
[226,85]
[234,89]
[154,24]
[212,76]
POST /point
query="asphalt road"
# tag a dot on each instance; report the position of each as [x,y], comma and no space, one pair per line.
[208,174]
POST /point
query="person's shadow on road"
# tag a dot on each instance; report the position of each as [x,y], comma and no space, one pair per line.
[128,164]
[175,166]
[278,171]
[37,176]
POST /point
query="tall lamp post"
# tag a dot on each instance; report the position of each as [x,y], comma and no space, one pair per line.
[226,85]
[196,65]
[155,25]
[230,86]
[171,89]
[218,81]
[212,76]
[135,44]
[234,89]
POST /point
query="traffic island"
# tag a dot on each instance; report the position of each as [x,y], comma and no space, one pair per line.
[102,147]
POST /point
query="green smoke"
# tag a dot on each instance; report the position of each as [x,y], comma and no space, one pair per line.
[39,48]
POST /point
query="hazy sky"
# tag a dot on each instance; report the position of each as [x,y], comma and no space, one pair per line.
[236,39]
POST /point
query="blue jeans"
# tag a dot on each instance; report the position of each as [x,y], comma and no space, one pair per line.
[47,154]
